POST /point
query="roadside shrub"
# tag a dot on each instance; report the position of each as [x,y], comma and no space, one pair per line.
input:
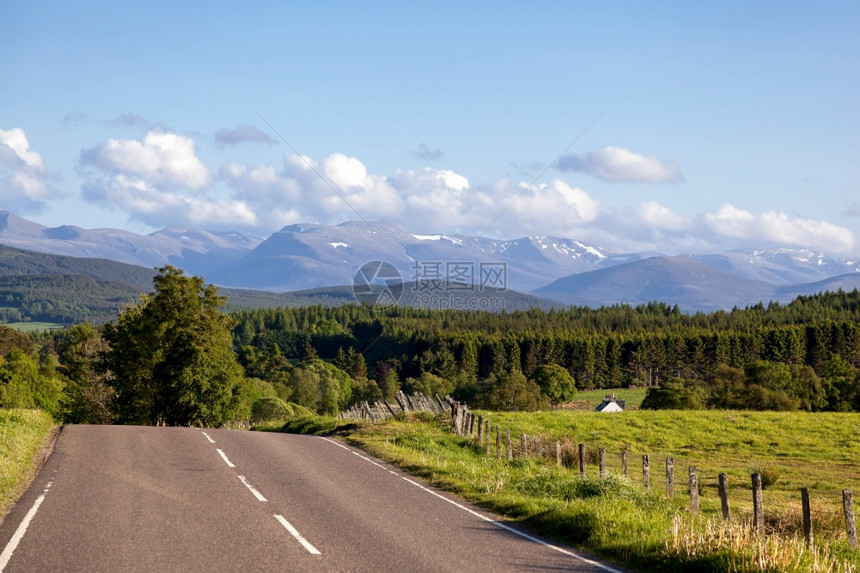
[270,409]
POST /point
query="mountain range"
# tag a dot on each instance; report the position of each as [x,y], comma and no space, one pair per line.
[303,257]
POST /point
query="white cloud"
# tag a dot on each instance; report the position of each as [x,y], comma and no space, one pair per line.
[17,150]
[31,186]
[619,165]
[159,181]
[554,206]
[436,195]
[657,216]
[23,179]
[162,157]
[775,228]
[162,208]
[417,199]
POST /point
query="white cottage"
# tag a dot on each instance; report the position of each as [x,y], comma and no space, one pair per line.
[611,404]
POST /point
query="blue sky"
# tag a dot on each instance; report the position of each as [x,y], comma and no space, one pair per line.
[717,126]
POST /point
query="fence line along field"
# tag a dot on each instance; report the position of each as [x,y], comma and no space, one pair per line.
[595,467]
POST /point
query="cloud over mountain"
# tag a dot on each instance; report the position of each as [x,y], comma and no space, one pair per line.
[619,165]
[774,228]
[160,180]
[23,179]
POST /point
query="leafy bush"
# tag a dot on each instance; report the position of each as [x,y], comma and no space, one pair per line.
[675,394]
[270,409]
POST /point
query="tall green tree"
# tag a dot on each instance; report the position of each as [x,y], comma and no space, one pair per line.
[555,382]
[88,399]
[171,358]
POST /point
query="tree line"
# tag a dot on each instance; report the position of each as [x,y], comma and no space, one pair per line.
[812,342]
[176,357]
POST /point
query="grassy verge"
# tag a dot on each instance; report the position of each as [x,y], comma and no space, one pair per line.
[616,516]
[22,434]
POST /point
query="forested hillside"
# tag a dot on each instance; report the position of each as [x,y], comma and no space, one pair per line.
[38,287]
[62,299]
[19,262]
[817,339]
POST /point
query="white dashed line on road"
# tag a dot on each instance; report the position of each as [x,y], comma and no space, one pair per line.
[495,522]
[22,528]
[295,533]
[223,455]
[251,488]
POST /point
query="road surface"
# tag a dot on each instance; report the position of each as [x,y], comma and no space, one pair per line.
[125,498]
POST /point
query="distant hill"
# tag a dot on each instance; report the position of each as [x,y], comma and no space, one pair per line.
[62,298]
[20,262]
[301,257]
[437,295]
[306,257]
[690,284]
[66,290]
[196,251]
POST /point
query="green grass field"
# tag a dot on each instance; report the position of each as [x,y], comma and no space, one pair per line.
[633,396]
[22,434]
[617,517]
[29,327]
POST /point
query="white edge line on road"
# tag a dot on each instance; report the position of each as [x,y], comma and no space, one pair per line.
[295,533]
[223,455]
[22,529]
[483,517]
[252,489]
[207,437]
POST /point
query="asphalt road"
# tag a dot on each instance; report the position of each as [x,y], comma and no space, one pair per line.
[123,498]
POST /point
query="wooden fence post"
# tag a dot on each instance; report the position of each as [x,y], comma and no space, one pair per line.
[498,442]
[807,515]
[471,424]
[646,471]
[758,510]
[524,445]
[624,463]
[582,461]
[558,453]
[724,495]
[368,410]
[848,509]
[401,401]
[487,435]
[694,489]
[670,477]
[510,450]
[538,449]
[480,430]
[601,460]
